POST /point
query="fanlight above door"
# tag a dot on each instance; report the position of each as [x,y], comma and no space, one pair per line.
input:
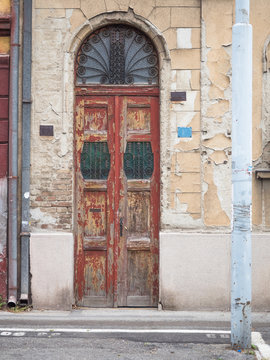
[117,55]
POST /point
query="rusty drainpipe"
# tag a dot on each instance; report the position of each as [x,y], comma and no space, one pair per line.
[26,129]
[13,154]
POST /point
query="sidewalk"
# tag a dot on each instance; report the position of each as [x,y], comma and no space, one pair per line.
[212,327]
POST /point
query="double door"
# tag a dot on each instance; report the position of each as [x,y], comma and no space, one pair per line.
[117,198]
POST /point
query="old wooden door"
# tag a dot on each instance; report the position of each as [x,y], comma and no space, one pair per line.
[117,191]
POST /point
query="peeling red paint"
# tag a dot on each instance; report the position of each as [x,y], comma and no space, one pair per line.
[116,267]
[3,238]
[4,99]
[3,274]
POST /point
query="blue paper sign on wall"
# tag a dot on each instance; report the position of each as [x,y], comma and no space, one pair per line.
[184,132]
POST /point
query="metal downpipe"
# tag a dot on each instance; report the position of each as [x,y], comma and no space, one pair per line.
[26,130]
[13,154]
[241,250]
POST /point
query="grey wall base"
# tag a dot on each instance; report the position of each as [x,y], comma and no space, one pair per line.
[194,271]
[51,267]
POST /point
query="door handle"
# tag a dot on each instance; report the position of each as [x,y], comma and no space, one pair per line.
[121,227]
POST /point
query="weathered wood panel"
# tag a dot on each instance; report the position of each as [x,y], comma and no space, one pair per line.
[94,199]
[4,98]
[3,237]
[95,273]
[139,203]
[3,130]
[4,108]
[118,217]
[138,118]
[138,223]
[3,160]
[4,75]
[95,118]
[139,278]
[95,210]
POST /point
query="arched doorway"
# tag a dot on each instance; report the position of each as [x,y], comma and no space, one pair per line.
[117,169]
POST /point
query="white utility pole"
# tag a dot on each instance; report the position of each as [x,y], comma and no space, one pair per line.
[241,176]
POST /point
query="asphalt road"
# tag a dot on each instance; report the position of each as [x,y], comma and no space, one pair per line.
[111,347]
[128,335]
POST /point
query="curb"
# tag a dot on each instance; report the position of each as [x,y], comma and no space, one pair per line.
[263,352]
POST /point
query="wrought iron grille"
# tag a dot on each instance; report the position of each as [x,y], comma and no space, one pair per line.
[95,160]
[117,54]
[138,160]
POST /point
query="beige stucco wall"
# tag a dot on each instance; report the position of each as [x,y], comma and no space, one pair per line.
[194,194]
[260,13]
[194,46]
[216,112]
[57,31]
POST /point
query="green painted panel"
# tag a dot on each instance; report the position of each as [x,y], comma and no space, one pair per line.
[138,160]
[95,161]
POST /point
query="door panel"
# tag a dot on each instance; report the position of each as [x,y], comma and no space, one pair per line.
[139,203]
[138,118]
[138,220]
[94,198]
[117,162]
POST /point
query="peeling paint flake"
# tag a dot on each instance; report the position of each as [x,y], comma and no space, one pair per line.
[214,215]
[219,157]
[218,142]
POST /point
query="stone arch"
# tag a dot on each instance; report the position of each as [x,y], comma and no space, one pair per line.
[128,18]
[71,48]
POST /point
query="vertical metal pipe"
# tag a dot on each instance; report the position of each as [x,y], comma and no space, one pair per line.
[26,132]
[242,11]
[241,177]
[13,154]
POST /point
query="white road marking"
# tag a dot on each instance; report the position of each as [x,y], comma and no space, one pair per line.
[22,333]
[106,331]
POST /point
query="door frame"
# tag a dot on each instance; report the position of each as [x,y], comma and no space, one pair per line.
[106,90]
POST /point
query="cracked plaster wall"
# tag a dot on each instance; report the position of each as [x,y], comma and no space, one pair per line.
[216,112]
[259,18]
[195,172]
[199,185]
[195,176]
[51,157]
[54,46]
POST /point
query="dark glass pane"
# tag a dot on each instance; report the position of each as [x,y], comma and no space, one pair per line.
[138,160]
[95,160]
[117,54]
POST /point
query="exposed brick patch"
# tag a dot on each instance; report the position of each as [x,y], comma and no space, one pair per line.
[51,202]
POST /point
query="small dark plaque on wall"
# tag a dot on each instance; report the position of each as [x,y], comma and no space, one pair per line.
[46,130]
[178,96]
